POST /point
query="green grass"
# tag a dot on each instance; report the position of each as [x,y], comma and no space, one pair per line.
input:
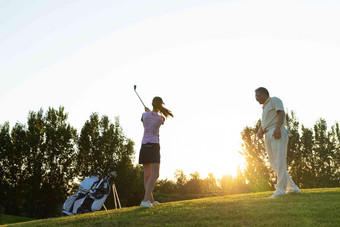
[314,207]
[6,219]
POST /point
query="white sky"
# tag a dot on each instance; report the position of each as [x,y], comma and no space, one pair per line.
[204,58]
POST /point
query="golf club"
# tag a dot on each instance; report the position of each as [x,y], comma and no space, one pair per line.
[134,87]
[250,146]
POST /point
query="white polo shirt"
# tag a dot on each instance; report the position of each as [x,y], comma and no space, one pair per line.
[269,114]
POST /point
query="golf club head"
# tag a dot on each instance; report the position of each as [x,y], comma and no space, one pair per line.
[135,86]
[99,170]
[112,174]
[111,166]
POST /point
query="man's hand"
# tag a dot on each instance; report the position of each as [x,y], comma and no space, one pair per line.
[280,121]
[277,133]
[260,133]
[147,109]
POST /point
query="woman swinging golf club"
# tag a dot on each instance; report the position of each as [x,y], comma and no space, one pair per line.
[149,154]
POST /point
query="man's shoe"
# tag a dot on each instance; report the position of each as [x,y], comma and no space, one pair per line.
[277,194]
[155,203]
[294,191]
[145,204]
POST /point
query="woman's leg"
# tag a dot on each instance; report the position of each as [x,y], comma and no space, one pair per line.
[149,183]
[147,174]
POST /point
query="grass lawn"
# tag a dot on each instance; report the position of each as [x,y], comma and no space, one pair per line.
[314,207]
[6,219]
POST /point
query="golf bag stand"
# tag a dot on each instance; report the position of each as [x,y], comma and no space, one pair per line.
[115,197]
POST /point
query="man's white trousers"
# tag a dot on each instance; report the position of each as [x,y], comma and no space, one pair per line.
[277,153]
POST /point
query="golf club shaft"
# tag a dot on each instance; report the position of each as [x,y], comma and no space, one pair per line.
[253,144]
[140,99]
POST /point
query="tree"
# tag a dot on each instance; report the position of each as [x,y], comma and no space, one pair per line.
[39,164]
[257,170]
[102,142]
[209,184]
[194,184]
[226,183]
[181,180]
[308,155]
[5,152]
[59,164]
[35,168]
[17,172]
[336,157]
[165,186]
[325,149]
[294,159]
[89,154]
[240,183]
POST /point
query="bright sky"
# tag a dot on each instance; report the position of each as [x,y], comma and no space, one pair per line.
[205,58]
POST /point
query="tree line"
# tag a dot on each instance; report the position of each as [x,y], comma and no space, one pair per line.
[40,160]
[190,187]
[313,160]
[43,161]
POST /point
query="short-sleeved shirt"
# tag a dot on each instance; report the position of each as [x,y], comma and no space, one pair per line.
[269,114]
[152,121]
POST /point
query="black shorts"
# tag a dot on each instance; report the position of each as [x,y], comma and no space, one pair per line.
[149,153]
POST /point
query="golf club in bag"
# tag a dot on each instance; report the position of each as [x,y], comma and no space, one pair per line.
[92,193]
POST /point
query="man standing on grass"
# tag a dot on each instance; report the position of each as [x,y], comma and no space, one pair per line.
[276,140]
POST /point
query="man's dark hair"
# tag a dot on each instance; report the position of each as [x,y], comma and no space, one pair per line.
[262,90]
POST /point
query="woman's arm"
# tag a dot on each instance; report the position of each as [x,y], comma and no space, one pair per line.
[146,110]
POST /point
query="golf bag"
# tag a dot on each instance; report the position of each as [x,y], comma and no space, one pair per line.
[91,194]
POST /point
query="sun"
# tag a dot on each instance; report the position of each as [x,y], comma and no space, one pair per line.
[227,164]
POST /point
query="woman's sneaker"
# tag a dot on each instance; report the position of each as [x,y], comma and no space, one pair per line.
[145,204]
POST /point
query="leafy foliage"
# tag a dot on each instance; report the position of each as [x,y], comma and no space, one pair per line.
[40,161]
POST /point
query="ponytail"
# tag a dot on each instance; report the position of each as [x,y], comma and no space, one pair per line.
[157,103]
[165,111]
